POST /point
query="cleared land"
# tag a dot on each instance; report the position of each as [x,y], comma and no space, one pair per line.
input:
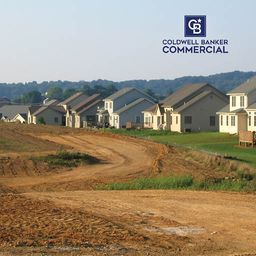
[56,211]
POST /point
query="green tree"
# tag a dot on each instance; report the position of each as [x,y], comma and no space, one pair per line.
[30,98]
[41,120]
[54,93]
[67,93]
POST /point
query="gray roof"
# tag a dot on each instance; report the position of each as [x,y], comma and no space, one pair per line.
[52,107]
[252,106]
[51,102]
[154,108]
[131,105]
[126,90]
[10,111]
[226,109]
[246,87]
[71,98]
[85,102]
[192,101]
[182,94]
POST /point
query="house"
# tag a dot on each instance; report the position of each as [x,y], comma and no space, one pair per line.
[126,105]
[20,118]
[8,112]
[193,107]
[51,115]
[84,113]
[240,113]
[154,117]
[69,103]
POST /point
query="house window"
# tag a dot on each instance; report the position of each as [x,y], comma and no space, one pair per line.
[56,119]
[254,120]
[152,119]
[212,120]
[227,120]
[250,120]
[147,120]
[221,120]
[241,101]
[188,119]
[106,105]
[233,101]
[170,119]
[177,120]
[110,105]
[137,119]
[233,121]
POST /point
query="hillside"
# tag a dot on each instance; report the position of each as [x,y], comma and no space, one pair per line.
[222,81]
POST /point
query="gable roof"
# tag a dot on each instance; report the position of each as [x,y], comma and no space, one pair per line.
[125,90]
[226,109]
[85,102]
[181,94]
[24,116]
[71,98]
[154,108]
[33,109]
[252,106]
[131,105]
[10,111]
[59,109]
[89,106]
[246,87]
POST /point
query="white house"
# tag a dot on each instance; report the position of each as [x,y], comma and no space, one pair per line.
[193,107]
[240,113]
[126,105]
[8,112]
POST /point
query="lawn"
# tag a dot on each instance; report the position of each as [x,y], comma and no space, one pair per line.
[214,142]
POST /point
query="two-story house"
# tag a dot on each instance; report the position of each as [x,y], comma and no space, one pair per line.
[126,105]
[193,107]
[240,113]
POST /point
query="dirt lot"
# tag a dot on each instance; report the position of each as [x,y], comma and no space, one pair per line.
[57,212]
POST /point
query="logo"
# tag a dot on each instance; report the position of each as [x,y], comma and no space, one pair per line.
[195,25]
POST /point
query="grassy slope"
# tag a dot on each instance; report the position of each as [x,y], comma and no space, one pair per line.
[215,142]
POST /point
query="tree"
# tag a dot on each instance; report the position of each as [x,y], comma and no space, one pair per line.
[54,93]
[67,93]
[30,98]
[41,120]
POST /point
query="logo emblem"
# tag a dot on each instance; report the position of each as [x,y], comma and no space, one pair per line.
[195,25]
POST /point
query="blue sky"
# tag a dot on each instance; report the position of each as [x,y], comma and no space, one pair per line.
[118,40]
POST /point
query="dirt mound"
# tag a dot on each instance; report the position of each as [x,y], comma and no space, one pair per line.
[6,190]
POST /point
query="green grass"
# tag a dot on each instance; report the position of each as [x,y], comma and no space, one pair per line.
[184,183]
[67,159]
[214,142]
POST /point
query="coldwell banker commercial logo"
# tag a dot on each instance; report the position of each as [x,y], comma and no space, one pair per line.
[195,27]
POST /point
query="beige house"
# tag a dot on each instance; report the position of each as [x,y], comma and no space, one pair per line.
[193,107]
[20,118]
[240,113]
[154,117]
[84,114]
[51,115]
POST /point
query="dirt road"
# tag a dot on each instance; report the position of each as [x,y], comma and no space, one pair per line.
[59,213]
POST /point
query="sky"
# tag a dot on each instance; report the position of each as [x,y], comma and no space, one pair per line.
[42,40]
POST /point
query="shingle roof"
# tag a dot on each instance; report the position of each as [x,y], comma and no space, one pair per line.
[252,106]
[71,98]
[246,87]
[154,108]
[182,93]
[226,109]
[132,104]
[89,106]
[33,109]
[55,108]
[126,90]
[85,102]
[10,111]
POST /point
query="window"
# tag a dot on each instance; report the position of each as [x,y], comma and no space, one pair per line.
[188,119]
[221,120]
[233,121]
[227,120]
[152,119]
[233,101]
[170,119]
[56,119]
[241,101]
[212,120]
[147,120]
[177,119]
[254,120]
[106,105]
[250,120]
[110,105]
[137,119]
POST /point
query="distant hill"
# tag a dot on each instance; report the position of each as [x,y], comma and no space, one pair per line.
[223,81]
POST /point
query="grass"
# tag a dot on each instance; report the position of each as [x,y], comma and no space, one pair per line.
[183,183]
[67,159]
[214,142]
